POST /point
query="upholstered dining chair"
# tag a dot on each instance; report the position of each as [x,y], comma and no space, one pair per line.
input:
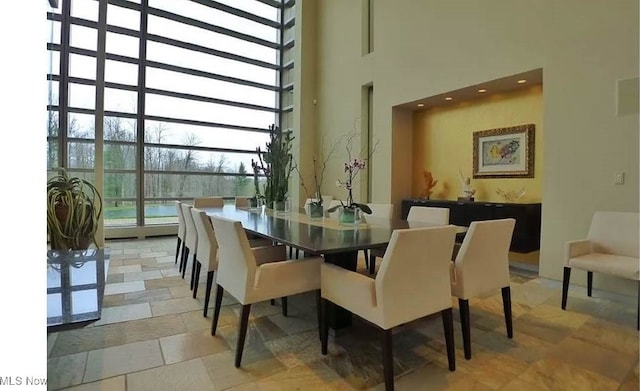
[181,231]
[413,282]
[378,211]
[207,253]
[482,265]
[208,202]
[419,214]
[333,203]
[191,240]
[252,275]
[242,202]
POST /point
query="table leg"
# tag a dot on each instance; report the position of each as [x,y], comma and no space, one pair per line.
[337,317]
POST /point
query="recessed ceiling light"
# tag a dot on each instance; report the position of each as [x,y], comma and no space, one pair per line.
[448,98]
[482,90]
[420,104]
[522,81]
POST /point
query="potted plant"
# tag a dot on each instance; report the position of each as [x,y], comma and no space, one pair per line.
[316,209]
[74,207]
[352,167]
[276,163]
[254,201]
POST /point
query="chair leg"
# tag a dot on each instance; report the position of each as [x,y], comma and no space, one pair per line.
[387,359]
[216,309]
[207,293]
[589,283]
[297,253]
[506,303]
[318,300]
[372,264]
[285,309]
[447,322]
[193,269]
[565,286]
[638,313]
[273,302]
[324,326]
[242,333]
[183,261]
[290,252]
[196,278]
[366,258]
[178,249]
[466,327]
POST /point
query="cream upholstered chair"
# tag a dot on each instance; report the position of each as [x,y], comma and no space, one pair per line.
[208,202]
[207,253]
[413,282]
[252,275]
[181,231]
[191,239]
[418,214]
[482,265]
[242,202]
[611,247]
[379,212]
[333,203]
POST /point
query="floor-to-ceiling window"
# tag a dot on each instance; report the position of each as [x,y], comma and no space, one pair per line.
[190,89]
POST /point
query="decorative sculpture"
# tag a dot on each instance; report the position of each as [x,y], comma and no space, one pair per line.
[467,190]
[429,184]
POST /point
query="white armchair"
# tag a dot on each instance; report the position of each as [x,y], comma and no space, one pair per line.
[413,282]
[258,274]
[190,242]
[380,212]
[482,265]
[418,214]
[208,202]
[207,253]
[611,247]
[181,231]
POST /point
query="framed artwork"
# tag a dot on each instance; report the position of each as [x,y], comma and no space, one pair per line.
[504,152]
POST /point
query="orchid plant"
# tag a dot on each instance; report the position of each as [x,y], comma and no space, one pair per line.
[352,168]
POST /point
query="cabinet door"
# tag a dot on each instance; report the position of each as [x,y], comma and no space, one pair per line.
[479,211]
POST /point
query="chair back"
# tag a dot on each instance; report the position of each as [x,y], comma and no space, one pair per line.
[383,211]
[413,279]
[242,202]
[191,235]
[236,262]
[181,228]
[207,244]
[208,202]
[482,263]
[428,214]
[615,233]
[333,203]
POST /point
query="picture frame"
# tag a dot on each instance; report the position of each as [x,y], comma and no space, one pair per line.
[504,152]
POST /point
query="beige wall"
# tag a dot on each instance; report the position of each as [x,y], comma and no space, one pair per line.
[443,144]
[428,47]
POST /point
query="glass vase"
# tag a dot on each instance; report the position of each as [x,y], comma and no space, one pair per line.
[349,216]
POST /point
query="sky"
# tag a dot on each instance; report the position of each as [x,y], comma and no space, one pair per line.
[126,101]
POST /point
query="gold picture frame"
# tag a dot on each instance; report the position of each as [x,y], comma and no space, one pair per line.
[504,152]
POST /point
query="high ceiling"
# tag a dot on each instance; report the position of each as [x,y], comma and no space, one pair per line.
[504,84]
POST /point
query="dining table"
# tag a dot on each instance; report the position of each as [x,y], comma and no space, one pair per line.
[338,243]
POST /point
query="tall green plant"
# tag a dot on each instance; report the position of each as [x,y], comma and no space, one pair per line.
[74,207]
[277,164]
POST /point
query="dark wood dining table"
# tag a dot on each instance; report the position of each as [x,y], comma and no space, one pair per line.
[337,243]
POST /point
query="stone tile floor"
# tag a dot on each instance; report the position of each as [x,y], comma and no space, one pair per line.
[152,336]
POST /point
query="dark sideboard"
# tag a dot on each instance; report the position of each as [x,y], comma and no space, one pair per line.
[526,234]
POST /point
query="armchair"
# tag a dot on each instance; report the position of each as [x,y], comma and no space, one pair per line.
[611,247]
